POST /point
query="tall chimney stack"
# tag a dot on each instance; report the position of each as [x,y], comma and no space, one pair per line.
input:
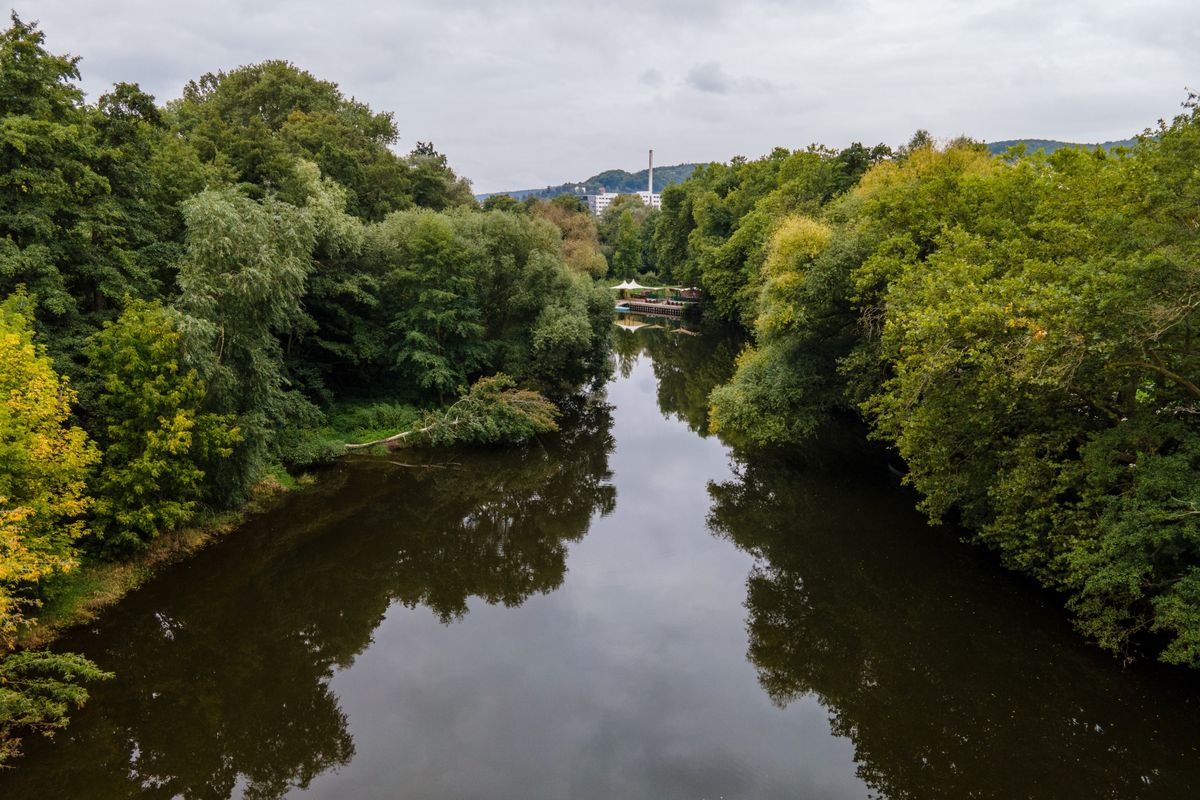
[650,181]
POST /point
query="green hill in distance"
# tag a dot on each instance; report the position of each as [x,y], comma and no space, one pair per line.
[613,181]
[1050,145]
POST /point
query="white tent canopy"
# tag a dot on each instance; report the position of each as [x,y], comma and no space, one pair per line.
[635,285]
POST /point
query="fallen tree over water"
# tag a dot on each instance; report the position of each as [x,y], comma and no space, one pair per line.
[494,410]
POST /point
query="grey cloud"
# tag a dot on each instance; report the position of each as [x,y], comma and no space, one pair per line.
[525,93]
[712,78]
[651,77]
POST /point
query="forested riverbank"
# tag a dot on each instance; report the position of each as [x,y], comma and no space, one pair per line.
[199,295]
[1020,329]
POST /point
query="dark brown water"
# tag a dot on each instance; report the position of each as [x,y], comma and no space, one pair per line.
[628,611]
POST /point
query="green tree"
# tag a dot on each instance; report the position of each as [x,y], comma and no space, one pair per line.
[137,229]
[150,428]
[502,202]
[1020,329]
[626,246]
[37,689]
[429,300]
[258,120]
[47,175]
[787,386]
[44,463]
[1031,363]
[492,411]
[675,224]
[88,199]
[546,323]
[580,238]
[340,340]
[241,287]
[434,184]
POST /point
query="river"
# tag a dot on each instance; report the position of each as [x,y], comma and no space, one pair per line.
[631,609]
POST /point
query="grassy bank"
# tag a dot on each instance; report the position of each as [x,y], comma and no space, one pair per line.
[362,420]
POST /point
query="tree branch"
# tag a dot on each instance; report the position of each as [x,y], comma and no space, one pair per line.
[1191,388]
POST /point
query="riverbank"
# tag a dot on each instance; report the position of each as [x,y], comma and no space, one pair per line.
[492,412]
[79,597]
[38,686]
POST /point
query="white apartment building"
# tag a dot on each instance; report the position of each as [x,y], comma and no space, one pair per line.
[599,203]
[652,199]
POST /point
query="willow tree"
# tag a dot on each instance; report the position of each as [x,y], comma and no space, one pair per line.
[241,287]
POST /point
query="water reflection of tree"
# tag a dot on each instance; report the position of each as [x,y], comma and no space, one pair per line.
[951,679]
[224,664]
[500,534]
[687,367]
[626,347]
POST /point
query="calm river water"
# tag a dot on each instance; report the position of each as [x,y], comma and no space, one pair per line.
[632,610]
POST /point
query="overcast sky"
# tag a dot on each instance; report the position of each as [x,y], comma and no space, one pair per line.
[524,93]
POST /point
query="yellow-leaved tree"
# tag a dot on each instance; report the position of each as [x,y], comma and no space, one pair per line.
[44,463]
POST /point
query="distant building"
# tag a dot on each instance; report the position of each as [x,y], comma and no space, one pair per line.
[652,199]
[599,203]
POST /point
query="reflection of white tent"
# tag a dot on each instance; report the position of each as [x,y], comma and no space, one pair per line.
[631,325]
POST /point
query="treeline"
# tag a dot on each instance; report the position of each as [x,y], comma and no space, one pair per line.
[1022,329]
[696,234]
[188,289]
[617,245]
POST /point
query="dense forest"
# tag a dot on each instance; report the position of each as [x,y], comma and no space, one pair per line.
[1021,329]
[198,294]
